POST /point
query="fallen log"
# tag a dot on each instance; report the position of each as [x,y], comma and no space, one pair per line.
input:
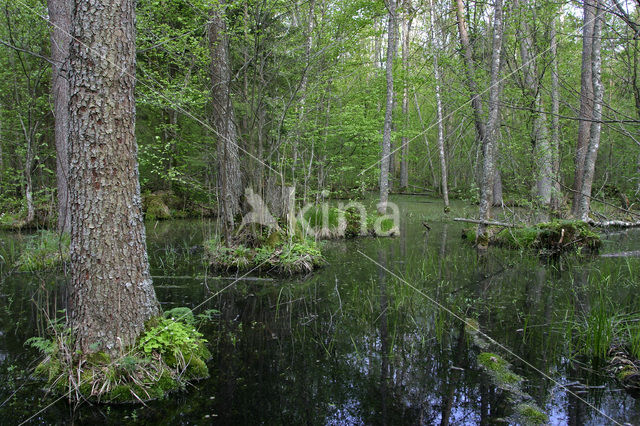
[613,224]
[487,222]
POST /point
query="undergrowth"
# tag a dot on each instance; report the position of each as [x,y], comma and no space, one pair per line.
[168,355]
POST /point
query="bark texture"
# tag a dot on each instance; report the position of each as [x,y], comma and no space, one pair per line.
[60,20]
[388,115]
[594,132]
[493,124]
[586,102]
[112,292]
[230,185]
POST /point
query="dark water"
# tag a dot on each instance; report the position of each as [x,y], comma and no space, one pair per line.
[352,344]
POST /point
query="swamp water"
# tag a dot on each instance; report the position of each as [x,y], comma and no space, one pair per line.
[351,343]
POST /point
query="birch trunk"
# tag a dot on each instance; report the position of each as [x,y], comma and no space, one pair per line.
[493,124]
[388,116]
[406,31]
[60,20]
[230,183]
[439,116]
[112,294]
[594,133]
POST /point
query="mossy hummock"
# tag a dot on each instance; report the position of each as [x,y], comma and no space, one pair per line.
[288,256]
[548,238]
[170,354]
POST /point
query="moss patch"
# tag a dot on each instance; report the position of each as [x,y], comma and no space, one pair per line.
[498,368]
[531,415]
[44,250]
[168,355]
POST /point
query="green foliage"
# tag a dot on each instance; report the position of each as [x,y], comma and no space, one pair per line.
[170,353]
[44,250]
[550,238]
[287,257]
[532,415]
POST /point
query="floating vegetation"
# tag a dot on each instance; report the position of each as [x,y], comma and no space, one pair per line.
[44,250]
[168,355]
[288,257]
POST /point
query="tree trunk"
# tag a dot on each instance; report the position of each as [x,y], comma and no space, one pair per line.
[540,132]
[493,124]
[230,184]
[439,116]
[406,31]
[112,293]
[60,19]
[388,116]
[586,103]
[594,132]
[556,193]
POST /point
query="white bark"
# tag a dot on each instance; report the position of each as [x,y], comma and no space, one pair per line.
[388,116]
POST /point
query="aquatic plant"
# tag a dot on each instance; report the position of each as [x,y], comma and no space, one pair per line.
[169,354]
[44,250]
[291,256]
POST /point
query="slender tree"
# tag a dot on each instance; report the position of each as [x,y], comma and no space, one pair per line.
[543,154]
[594,132]
[586,102]
[224,122]
[60,20]
[407,20]
[556,194]
[439,116]
[388,115]
[493,125]
[112,293]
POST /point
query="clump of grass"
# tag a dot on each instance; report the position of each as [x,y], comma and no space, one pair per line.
[44,250]
[333,223]
[169,354]
[284,256]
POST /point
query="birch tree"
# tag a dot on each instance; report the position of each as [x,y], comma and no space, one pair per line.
[388,115]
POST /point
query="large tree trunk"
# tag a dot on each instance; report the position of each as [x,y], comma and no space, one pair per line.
[435,43]
[224,122]
[540,132]
[406,31]
[586,103]
[112,293]
[60,20]
[388,116]
[594,133]
[493,126]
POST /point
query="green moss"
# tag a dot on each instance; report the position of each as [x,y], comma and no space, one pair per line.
[498,368]
[626,372]
[550,237]
[196,368]
[44,250]
[98,358]
[532,415]
[156,209]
